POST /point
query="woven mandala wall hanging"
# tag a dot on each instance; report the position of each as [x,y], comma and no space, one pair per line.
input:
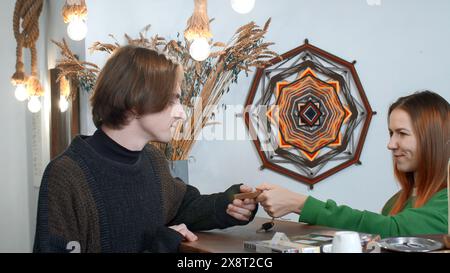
[308,114]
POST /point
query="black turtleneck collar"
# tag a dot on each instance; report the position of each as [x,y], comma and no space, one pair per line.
[110,149]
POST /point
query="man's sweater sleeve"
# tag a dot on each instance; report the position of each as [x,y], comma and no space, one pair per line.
[164,240]
[183,204]
[428,219]
[66,211]
[205,212]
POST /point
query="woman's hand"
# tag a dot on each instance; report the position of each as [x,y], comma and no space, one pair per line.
[278,201]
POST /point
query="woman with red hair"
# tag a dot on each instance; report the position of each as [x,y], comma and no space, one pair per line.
[419,128]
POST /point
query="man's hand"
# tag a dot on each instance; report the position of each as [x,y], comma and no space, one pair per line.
[187,234]
[242,209]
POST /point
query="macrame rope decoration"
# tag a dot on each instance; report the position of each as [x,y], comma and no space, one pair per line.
[198,23]
[74,9]
[26,32]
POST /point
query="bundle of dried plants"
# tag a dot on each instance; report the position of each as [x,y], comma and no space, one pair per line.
[84,74]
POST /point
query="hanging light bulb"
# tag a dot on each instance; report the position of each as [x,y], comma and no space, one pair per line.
[197,31]
[77,29]
[243,6]
[63,104]
[34,105]
[200,49]
[21,92]
[75,13]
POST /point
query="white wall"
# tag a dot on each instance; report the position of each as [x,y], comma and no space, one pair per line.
[399,46]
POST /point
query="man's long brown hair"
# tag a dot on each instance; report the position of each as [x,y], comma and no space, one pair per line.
[430,116]
[135,80]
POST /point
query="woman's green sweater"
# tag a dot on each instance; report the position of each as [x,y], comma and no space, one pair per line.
[431,218]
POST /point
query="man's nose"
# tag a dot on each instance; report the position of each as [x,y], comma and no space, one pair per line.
[178,112]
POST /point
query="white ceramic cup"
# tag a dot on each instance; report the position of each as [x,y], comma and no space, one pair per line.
[346,242]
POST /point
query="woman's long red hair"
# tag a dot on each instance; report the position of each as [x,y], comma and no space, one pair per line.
[430,116]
